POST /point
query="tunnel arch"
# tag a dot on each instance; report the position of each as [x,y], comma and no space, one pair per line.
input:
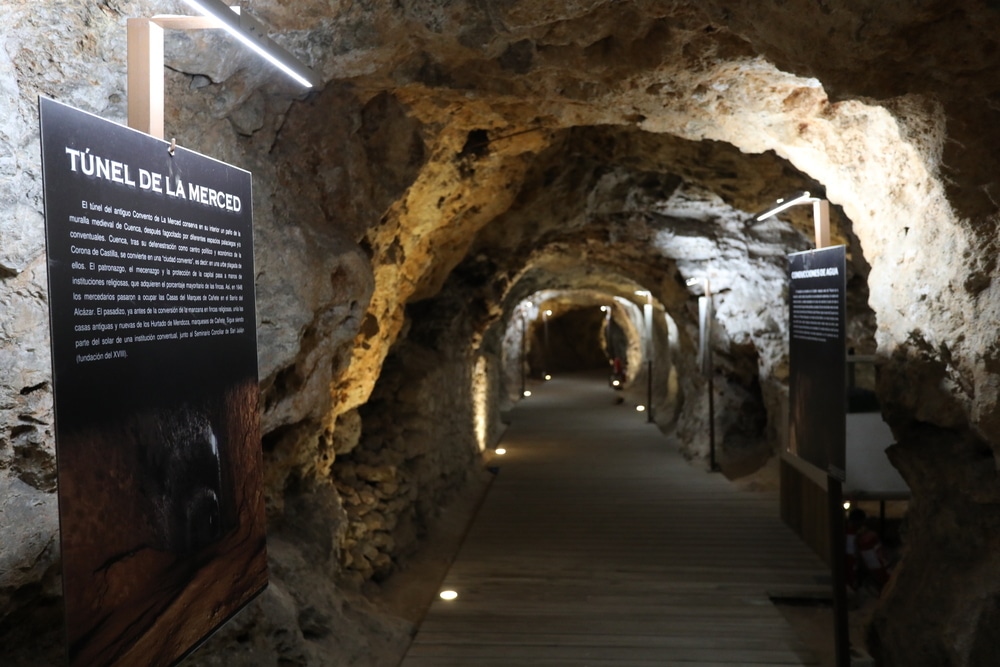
[879,164]
[427,141]
[691,202]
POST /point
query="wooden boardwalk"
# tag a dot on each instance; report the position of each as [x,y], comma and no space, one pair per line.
[599,545]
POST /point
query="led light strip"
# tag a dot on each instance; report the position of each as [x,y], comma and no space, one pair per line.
[801,199]
[250,31]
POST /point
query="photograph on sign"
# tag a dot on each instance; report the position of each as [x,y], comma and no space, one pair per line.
[817,385]
[154,354]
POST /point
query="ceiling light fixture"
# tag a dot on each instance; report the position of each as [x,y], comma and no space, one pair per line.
[253,34]
[821,215]
[783,204]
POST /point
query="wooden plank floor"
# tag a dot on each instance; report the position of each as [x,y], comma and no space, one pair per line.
[599,545]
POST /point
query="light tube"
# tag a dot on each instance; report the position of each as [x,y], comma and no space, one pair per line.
[252,34]
[782,205]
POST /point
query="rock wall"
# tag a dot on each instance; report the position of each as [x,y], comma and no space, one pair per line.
[315,308]
[495,150]
[417,448]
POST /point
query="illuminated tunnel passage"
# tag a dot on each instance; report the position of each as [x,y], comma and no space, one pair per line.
[572,342]
[598,544]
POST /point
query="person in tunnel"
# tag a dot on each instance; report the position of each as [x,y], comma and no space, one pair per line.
[617,379]
[865,559]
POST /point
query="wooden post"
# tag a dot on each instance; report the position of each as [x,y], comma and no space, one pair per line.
[821,220]
[835,499]
[145,76]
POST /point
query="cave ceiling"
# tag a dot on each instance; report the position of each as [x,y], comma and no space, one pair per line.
[635,138]
[463,156]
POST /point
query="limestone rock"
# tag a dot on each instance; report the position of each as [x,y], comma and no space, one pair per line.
[465,156]
[29,523]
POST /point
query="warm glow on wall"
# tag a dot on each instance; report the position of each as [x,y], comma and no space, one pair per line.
[480,401]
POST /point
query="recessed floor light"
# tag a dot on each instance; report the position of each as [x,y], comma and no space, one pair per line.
[449,595]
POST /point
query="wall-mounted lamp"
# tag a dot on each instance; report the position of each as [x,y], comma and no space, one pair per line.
[821,214]
[253,34]
[647,348]
[704,282]
[706,317]
[145,56]
[786,203]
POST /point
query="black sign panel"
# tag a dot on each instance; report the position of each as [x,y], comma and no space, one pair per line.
[817,360]
[154,354]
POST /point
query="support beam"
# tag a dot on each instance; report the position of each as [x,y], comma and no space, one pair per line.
[181,22]
[821,221]
[145,76]
[145,57]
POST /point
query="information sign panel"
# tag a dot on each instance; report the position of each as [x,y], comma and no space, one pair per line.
[151,295]
[817,358]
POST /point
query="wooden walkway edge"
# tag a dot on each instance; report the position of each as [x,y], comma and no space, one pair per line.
[599,545]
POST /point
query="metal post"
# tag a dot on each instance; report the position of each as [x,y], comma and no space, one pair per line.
[607,332]
[881,519]
[524,336]
[710,370]
[713,466]
[649,391]
[841,630]
[545,347]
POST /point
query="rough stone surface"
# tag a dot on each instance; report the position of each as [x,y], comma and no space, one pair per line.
[30,525]
[466,156]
